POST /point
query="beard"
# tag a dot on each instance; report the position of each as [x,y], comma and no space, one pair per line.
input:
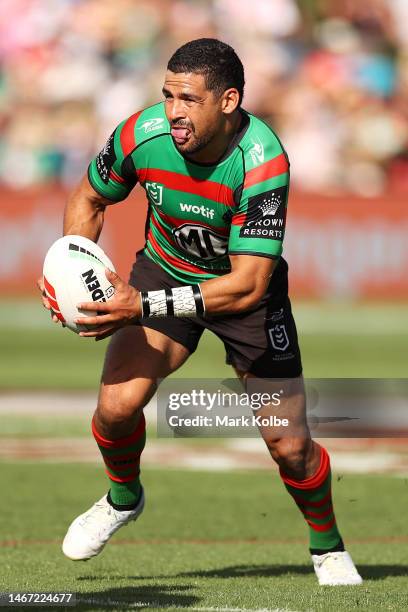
[194,143]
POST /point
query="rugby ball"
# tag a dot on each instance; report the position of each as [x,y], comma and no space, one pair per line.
[74,272]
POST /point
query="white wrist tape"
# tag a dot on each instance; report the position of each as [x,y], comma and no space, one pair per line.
[157,303]
[177,302]
[184,302]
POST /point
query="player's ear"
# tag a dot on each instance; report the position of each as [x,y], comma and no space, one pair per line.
[230,100]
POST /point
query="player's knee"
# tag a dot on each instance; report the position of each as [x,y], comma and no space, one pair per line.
[116,422]
[291,455]
[117,409]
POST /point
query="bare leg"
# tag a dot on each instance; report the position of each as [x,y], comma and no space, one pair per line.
[295,452]
[304,465]
[135,359]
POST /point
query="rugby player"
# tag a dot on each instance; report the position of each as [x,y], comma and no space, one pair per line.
[216,179]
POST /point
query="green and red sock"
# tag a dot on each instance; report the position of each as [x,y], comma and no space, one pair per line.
[314,499]
[122,461]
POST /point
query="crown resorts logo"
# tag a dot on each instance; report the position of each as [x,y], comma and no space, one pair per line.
[265,216]
[269,206]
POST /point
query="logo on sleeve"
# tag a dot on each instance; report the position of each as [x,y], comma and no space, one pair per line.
[265,217]
[106,159]
[257,152]
[154,193]
[151,125]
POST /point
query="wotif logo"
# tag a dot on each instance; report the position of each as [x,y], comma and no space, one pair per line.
[152,125]
[206,212]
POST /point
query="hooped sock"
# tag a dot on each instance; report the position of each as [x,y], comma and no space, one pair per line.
[122,461]
[314,499]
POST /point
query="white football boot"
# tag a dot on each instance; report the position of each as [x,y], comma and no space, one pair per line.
[336,568]
[89,532]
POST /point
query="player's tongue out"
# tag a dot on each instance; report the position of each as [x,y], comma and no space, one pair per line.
[180,134]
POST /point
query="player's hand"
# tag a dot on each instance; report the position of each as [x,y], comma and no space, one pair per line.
[121,310]
[45,301]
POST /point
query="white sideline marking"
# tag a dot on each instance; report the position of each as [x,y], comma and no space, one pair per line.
[349,456]
[65,404]
[208,459]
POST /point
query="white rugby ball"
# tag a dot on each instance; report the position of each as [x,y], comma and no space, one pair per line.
[74,272]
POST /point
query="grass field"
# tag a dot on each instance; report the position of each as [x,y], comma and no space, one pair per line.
[337,340]
[206,541]
[226,541]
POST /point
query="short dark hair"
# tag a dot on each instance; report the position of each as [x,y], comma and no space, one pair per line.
[215,60]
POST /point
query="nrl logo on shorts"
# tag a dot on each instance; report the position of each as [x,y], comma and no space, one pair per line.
[152,124]
[279,337]
[154,193]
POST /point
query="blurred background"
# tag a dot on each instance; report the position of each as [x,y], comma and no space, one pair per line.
[331,77]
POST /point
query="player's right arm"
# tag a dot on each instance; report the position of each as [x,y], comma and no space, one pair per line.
[84,211]
[105,183]
[110,179]
[83,215]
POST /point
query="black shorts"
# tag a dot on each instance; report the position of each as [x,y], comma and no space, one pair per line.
[262,341]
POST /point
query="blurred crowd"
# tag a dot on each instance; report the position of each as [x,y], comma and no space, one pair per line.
[331,76]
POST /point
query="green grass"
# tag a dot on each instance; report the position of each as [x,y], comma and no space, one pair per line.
[29,427]
[58,359]
[342,340]
[44,426]
[206,540]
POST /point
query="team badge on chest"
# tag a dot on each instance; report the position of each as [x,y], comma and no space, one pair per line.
[154,192]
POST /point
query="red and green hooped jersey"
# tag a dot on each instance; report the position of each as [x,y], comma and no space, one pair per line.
[199,214]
